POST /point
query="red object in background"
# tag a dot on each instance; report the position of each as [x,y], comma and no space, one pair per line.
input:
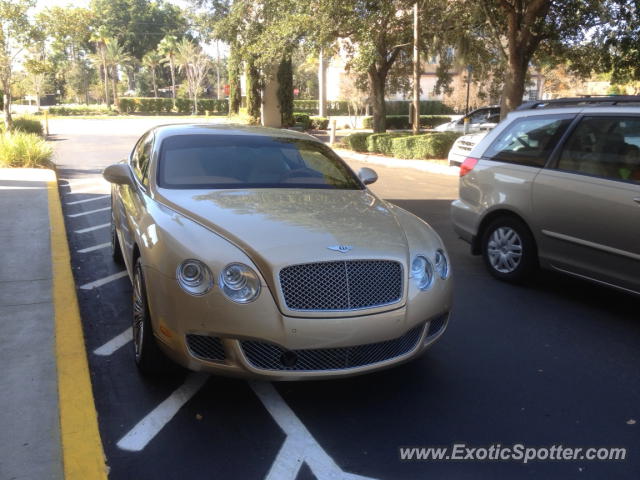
[296,91]
[227,89]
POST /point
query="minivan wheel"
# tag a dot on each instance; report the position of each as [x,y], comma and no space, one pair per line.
[149,358]
[509,249]
[116,251]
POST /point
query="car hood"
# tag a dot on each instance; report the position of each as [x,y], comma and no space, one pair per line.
[280,227]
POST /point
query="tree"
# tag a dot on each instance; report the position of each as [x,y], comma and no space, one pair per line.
[521,30]
[116,57]
[100,39]
[285,90]
[151,61]
[15,31]
[194,63]
[168,48]
[235,95]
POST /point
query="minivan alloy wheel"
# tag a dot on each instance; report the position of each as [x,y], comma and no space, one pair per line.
[505,250]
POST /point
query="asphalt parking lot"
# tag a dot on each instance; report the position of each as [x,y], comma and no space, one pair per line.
[555,362]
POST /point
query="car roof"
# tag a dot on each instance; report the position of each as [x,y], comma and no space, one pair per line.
[170,130]
[590,109]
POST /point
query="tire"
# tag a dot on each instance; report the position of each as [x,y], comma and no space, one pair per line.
[509,250]
[148,356]
[116,251]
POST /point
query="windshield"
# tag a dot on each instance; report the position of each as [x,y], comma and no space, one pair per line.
[239,161]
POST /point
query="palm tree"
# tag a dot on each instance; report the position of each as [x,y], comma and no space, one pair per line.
[100,38]
[195,65]
[151,61]
[168,48]
[116,56]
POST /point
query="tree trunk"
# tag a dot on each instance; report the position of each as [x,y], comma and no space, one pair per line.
[106,83]
[8,119]
[155,86]
[513,90]
[195,102]
[377,82]
[114,85]
[416,70]
[173,80]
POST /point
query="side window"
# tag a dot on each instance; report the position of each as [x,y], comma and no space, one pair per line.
[604,147]
[141,158]
[529,140]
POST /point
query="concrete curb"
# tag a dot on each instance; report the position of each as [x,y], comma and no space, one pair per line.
[82,452]
[422,165]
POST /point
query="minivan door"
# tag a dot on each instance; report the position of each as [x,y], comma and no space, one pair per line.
[587,205]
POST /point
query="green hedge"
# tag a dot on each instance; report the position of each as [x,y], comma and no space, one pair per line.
[401,122]
[319,123]
[381,142]
[403,144]
[312,107]
[81,110]
[430,145]
[302,120]
[357,141]
[427,107]
[165,105]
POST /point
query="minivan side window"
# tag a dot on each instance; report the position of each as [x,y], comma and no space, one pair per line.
[528,140]
[607,147]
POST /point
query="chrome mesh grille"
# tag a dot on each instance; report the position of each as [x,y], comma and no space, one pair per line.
[206,347]
[341,285]
[267,356]
[437,324]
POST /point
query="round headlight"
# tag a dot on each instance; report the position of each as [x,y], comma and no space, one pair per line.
[194,277]
[240,283]
[422,272]
[442,266]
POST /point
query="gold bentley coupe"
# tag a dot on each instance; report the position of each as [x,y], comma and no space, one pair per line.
[259,253]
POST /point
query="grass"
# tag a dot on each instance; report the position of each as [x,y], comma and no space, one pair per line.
[24,150]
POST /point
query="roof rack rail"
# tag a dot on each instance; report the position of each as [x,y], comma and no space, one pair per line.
[582,100]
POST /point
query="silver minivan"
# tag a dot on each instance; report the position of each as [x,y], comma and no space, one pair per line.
[557,185]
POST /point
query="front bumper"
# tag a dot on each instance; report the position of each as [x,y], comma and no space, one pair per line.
[256,340]
[262,360]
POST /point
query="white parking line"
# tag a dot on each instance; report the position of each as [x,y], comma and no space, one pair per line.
[115,343]
[88,200]
[91,229]
[95,247]
[103,281]
[88,212]
[299,447]
[140,435]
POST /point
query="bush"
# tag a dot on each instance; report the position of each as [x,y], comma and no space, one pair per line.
[357,141]
[19,149]
[302,120]
[319,123]
[401,122]
[430,145]
[381,142]
[427,107]
[28,124]
[312,107]
[81,110]
[184,106]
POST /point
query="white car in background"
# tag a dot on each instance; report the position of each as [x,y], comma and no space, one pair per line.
[462,147]
[484,118]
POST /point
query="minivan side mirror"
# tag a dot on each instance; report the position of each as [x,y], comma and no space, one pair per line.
[119,173]
[367,175]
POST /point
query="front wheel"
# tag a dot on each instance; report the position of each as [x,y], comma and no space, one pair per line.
[509,250]
[149,358]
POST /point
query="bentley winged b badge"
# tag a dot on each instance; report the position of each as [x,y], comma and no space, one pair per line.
[340,248]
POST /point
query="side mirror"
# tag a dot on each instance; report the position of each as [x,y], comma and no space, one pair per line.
[119,173]
[367,175]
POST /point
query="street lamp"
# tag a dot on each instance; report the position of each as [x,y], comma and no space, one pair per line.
[469,70]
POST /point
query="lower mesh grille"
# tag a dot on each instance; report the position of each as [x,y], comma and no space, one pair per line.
[205,347]
[267,356]
[437,324]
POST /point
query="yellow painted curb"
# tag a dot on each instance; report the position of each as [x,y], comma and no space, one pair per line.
[82,453]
